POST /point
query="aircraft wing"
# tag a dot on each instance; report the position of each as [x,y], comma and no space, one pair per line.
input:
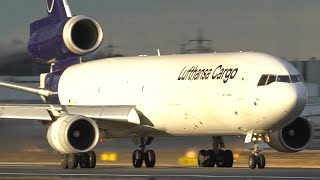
[43,112]
[117,119]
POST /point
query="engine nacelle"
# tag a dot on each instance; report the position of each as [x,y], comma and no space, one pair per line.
[78,35]
[293,138]
[73,134]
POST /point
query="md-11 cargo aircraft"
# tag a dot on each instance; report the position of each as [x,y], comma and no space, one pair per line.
[256,95]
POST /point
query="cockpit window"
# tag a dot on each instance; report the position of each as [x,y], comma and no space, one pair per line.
[279,78]
[272,78]
[300,78]
[285,79]
[294,78]
[263,80]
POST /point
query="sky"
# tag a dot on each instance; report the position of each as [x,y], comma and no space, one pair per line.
[286,28]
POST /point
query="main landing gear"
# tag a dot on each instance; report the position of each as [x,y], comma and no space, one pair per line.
[141,155]
[216,156]
[256,158]
[84,160]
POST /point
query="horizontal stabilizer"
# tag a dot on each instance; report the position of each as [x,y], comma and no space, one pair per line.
[41,92]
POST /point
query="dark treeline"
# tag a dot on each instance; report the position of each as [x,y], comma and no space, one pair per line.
[21,64]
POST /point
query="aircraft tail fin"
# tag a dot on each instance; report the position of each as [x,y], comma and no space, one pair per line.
[58,9]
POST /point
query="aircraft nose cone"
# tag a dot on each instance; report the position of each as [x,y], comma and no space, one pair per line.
[302,98]
[296,100]
[289,102]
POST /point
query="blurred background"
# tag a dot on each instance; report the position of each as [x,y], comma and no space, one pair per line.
[285,28]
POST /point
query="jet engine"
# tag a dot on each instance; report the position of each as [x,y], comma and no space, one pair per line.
[73,134]
[292,138]
[78,35]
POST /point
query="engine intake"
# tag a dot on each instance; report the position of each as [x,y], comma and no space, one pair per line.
[82,35]
[293,138]
[73,134]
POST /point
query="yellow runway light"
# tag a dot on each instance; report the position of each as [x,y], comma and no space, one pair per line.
[184,161]
[190,158]
[236,156]
[109,157]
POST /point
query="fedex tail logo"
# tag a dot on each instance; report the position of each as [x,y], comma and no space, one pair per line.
[50,5]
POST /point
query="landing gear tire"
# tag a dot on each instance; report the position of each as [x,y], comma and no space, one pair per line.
[220,158]
[257,158]
[137,159]
[84,160]
[73,161]
[92,159]
[216,156]
[202,158]
[228,159]
[211,160]
[150,158]
[138,156]
[261,161]
[224,158]
[252,161]
[64,161]
[87,160]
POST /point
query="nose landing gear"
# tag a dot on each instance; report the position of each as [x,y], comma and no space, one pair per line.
[256,158]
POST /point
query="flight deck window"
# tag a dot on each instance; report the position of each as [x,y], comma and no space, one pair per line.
[294,78]
[283,79]
[271,79]
[300,78]
[263,80]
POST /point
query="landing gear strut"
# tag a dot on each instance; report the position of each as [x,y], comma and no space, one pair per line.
[84,160]
[216,156]
[141,155]
[257,158]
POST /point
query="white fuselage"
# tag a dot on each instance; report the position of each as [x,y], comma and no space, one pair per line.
[206,94]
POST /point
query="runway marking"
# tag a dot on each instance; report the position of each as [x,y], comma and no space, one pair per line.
[146,175]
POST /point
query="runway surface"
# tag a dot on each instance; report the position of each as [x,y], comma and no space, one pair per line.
[162,172]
